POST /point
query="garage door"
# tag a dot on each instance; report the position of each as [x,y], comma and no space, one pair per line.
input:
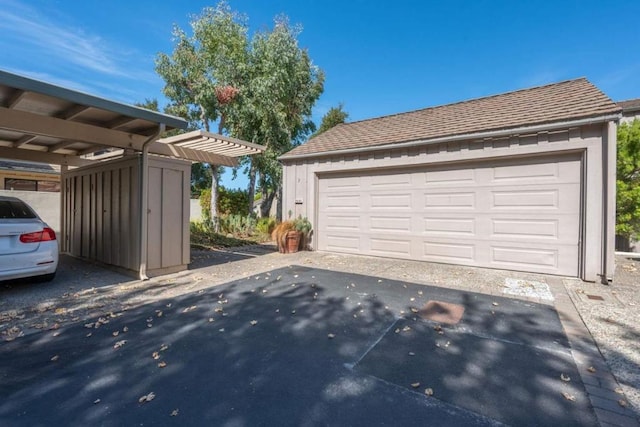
[516,214]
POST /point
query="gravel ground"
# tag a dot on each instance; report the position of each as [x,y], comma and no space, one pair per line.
[88,292]
[614,322]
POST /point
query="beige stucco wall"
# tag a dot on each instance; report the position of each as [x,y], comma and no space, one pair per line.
[46,204]
[300,177]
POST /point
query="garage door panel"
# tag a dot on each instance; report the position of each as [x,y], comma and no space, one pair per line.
[392,247]
[519,214]
[525,228]
[449,177]
[450,226]
[449,252]
[444,200]
[392,224]
[342,202]
[340,242]
[517,173]
[343,223]
[393,201]
[518,257]
[386,181]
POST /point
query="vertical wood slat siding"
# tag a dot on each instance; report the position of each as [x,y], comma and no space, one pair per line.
[103,204]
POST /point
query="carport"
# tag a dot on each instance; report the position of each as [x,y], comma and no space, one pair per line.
[45,123]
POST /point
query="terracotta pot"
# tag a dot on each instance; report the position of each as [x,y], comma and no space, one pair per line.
[292,241]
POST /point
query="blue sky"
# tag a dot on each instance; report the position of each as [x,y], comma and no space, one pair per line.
[379,57]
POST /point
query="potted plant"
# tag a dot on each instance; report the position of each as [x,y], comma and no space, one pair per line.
[293,235]
[303,226]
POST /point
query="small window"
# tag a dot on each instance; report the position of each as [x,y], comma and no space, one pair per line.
[20,184]
[31,185]
[15,209]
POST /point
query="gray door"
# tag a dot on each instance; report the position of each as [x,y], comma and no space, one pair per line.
[518,214]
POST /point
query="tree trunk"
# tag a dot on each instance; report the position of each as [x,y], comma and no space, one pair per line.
[215,178]
[251,190]
[266,202]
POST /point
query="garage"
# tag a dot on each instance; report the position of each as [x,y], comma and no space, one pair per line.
[520,181]
[521,214]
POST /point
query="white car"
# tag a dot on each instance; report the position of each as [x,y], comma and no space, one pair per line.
[28,246]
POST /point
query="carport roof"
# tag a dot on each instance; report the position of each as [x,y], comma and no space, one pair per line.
[41,122]
[555,103]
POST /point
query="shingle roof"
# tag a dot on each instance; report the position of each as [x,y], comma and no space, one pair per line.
[630,105]
[568,100]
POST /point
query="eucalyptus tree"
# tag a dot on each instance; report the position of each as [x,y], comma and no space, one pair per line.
[261,89]
[275,105]
[202,74]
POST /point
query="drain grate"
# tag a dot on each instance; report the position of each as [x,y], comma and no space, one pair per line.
[595,297]
[442,312]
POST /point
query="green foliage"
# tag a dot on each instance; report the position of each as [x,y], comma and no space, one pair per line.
[200,179]
[230,202]
[203,237]
[233,202]
[266,225]
[334,117]
[628,180]
[205,203]
[243,225]
[303,225]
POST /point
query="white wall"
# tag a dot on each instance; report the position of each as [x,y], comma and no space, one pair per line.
[196,210]
[46,204]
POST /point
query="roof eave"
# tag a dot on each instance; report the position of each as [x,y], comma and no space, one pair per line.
[32,85]
[476,135]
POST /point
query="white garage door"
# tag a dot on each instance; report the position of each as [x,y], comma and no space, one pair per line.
[516,214]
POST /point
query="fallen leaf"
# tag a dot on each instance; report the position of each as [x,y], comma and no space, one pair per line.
[623,403]
[411,353]
[495,304]
[406,329]
[591,369]
[412,299]
[89,334]
[119,344]
[54,358]
[293,312]
[115,333]
[397,331]
[211,319]
[159,313]
[221,330]
[156,355]
[415,385]
[419,292]
[162,364]
[428,391]
[163,347]
[618,390]
[331,336]
[56,333]
[414,310]
[95,402]
[568,396]
[565,378]
[174,413]
[254,322]
[147,398]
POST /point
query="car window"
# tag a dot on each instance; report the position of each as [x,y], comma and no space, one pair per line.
[15,209]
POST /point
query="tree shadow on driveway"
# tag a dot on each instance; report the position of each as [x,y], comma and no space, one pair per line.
[297,346]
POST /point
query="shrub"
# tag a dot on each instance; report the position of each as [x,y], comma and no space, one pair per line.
[266,225]
[237,224]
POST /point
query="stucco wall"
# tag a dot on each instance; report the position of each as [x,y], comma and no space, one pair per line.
[301,175]
[46,204]
[196,211]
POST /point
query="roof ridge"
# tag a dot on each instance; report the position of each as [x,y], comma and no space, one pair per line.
[474,99]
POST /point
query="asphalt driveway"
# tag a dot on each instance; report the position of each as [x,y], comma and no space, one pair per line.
[301,346]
